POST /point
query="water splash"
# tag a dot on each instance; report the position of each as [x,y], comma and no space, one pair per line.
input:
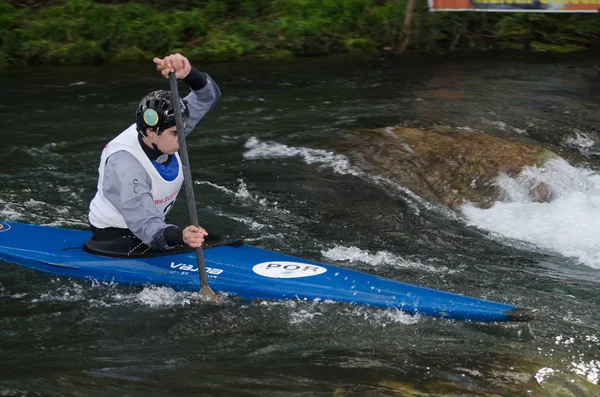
[10,211]
[251,223]
[352,254]
[242,193]
[575,364]
[101,294]
[543,373]
[341,165]
[579,141]
[589,370]
[311,312]
[164,296]
[264,150]
[302,316]
[555,207]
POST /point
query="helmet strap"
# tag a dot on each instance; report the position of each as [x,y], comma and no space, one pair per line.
[154,144]
[143,133]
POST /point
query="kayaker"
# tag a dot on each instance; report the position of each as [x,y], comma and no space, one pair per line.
[140,171]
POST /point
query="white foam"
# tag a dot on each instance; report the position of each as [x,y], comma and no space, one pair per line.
[503,126]
[382,317]
[218,187]
[164,296]
[409,196]
[241,193]
[394,316]
[592,338]
[244,194]
[579,141]
[352,254]
[322,309]
[242,219]
[44,152]
[73,292]
[45,213]
[561,340]
[590,370]
[567,223]
[339,163]
[542,374]
[35,204]
[303,316]
[472,372]
[152,296]
[272,236]
[374,316]
[9,213]
[271,150]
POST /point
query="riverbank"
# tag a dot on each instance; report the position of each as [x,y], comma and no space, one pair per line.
[84,31]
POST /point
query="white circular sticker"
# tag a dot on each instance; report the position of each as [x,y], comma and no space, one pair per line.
[287,269]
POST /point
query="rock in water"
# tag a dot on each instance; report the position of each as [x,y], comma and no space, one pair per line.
[446,165]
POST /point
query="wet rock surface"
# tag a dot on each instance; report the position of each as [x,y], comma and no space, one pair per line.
[447,165]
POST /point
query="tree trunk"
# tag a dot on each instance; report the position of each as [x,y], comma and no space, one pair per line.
[407,28]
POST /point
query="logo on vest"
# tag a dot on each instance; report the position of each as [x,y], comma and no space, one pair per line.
[4,227]
[279,269]
[166,199]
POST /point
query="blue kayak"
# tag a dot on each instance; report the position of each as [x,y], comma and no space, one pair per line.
[244,271]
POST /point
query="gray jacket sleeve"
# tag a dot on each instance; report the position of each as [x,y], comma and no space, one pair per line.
[128,186]
[201,102]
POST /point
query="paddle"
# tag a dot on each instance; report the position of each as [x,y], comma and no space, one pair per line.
[205,291]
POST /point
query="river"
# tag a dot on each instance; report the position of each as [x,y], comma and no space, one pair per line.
[266,170]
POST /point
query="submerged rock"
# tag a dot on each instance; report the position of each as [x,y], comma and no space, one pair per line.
[447,165]
[527,380]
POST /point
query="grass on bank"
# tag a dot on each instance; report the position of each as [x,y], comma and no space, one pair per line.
[85,31]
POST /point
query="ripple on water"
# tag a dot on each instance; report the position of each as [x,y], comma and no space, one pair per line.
[352,254]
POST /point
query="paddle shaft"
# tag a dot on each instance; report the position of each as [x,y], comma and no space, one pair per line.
[187,176]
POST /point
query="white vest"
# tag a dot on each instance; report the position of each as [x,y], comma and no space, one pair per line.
[102,213]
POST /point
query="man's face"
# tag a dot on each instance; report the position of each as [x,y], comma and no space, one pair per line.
[167,142]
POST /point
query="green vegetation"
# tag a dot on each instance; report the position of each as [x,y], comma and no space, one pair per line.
[85,31]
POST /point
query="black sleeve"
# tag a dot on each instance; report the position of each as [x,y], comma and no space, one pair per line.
[173,236]
[196,79]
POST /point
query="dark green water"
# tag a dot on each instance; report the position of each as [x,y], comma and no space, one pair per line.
[266,171]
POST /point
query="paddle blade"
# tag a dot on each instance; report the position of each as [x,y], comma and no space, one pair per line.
[207,294]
